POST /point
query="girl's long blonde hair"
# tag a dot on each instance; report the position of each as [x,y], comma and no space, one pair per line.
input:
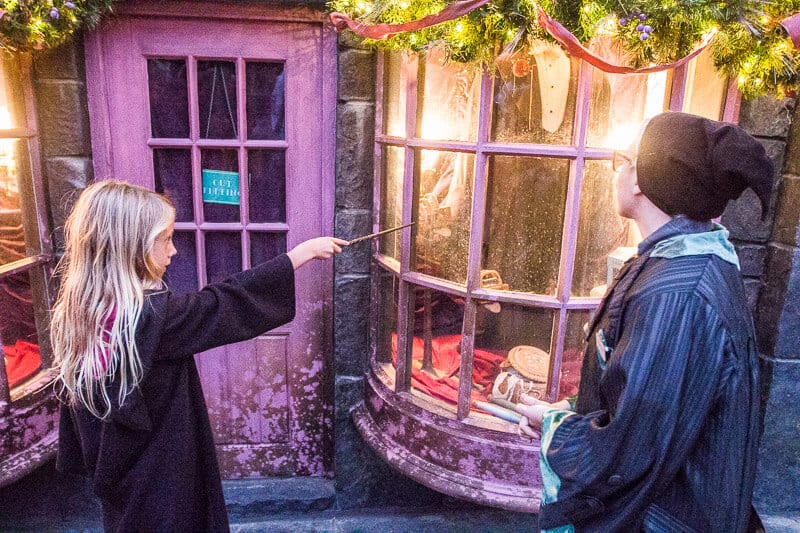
[107,264]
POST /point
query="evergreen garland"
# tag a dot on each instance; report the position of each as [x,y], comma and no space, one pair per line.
[38,24]
[749,45]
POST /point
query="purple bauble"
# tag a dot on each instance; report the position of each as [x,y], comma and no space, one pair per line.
[640,27]
[69,5]
[54,14]
[644,36]
[648,29]
[642,16]
[623,22]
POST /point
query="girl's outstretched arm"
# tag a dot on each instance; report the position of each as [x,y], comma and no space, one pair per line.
[317,248]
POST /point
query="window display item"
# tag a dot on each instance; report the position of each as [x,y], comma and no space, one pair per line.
[530,361]
[553,67]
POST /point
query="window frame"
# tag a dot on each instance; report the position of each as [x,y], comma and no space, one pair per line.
[577,153]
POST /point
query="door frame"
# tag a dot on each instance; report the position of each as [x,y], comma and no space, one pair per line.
[98,83]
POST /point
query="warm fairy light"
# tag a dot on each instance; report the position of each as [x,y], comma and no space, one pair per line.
[765,19]
[8,164]
[741,80]
[459,27]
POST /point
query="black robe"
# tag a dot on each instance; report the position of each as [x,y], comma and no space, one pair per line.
[152,462]
[665,430]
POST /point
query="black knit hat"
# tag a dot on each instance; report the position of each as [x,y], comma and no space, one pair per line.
[690,165]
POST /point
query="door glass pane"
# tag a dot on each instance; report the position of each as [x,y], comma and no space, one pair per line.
[395,78]
[223,255]
[572,359]
[216,94]
[267,185]
[391,199]
[449,96]
[534,96]
[605,239]
[265,246]
[182,272]
[173,178]
[220,176]
[265,100]
[169,98]
[18,328]
[444,201]
[705,88]
[620,102]
[512,351]
[525,221]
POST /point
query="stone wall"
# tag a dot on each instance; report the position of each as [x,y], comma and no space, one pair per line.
[60,87]
[778,324]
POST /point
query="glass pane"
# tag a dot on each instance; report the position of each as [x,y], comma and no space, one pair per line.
[267,185]
[436,352]
[265,246]
[182,271]
[449,96]
[216,93]
[534,96]
[572,358]
[173,174]
[18,328]
[12,104]
[444,201]
[705,89]
[512,351]
[265,100]
[605,239]
[395,79]
[223,255]
[220,175]
[386,319]
[12,233]
[620,102]
[525,221]
[169,98]
[391,199]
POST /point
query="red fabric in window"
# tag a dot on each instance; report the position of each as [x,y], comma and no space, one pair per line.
[22,361]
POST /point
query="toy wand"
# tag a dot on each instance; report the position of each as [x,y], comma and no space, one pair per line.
[378,234]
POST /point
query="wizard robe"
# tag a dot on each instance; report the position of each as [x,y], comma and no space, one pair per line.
[664,433]
[152,461]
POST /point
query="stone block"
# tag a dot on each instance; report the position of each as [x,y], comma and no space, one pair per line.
[767,116]
[356,75]
[742,217]
[348,39]
[355,134]
[64,62]
[351,324]
[786,228]
[778,475]
[65,178]
[63,118]
[751,258]
[778,316]
[793,152]
[354,259]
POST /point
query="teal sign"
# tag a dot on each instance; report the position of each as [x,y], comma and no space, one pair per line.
[220,187]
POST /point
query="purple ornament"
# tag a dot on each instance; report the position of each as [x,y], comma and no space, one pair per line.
[54,14]
[69,5]
[648,29]
[623,22]
[644,36]
[642,16]
[640,28]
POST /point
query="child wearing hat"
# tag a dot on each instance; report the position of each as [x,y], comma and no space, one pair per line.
[664,433]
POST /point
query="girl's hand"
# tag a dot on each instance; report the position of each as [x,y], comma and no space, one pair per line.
[317,248]
[532,411]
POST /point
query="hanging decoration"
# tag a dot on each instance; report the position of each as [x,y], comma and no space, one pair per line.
[750,40]
[39,24]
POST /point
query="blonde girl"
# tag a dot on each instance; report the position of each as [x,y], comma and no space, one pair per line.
[133,415]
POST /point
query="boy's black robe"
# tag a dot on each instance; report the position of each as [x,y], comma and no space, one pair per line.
[665,433]
[152,462]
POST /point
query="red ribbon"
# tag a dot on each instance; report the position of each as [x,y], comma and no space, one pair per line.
[792,26]
[568,41]
[380,32]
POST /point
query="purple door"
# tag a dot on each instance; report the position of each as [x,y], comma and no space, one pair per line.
[231,116]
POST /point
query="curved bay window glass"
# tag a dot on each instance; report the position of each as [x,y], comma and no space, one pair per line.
[508,181]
